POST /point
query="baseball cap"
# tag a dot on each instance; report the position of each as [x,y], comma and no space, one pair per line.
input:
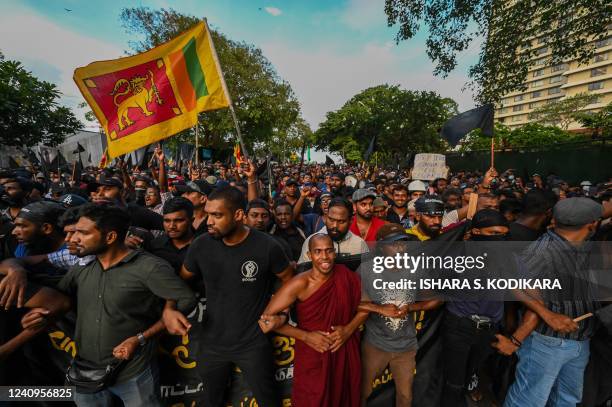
[577,211]
[488,217]
[379,202]
[430,205]
[198,185]
[362,194]
[71,200]
[42,212]
[106,180]
[417,186]
[290,181]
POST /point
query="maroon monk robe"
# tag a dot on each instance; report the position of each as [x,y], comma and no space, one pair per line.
[329,379]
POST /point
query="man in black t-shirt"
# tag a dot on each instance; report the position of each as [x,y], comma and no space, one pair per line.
[238,266]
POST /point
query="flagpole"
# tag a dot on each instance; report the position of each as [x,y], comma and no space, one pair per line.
[492,152]
[197,144]
[224,85]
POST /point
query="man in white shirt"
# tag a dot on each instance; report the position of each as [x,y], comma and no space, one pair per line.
[337,223]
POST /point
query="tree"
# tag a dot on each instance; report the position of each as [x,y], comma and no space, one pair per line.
[29,111]
[531,135]
[403,122]
[562,112]
[600,122]
[265,104]
[508,30]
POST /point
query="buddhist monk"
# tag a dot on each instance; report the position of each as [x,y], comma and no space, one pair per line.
[327,358]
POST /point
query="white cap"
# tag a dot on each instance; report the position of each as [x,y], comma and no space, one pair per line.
[417,186]
[585,183]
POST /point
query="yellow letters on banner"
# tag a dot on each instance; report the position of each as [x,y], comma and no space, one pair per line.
[66,344]
[182,351]
[283,350]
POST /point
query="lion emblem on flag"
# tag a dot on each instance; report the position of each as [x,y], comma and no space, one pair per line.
[138,97]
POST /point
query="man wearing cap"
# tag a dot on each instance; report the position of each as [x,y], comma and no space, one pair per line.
[365,224]
[337,222]
[399,210]
[109,190]
[197,192]
[379,208]
[429,212]
[558,254]
[390,337]
[416,189]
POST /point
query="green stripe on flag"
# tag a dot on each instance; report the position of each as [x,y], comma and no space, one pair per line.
[194,69]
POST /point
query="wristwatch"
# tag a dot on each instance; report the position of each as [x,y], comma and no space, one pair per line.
[141,339]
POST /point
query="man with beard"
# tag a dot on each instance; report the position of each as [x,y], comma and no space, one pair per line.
[14,194]
[117,302]
[429,212]
[338,189]
[327,365]
[173,245]
[398,213]
[337,222]
[364,223]
[286,229]
[439,185]
[471,322]
[238,266]
[109,190]
[197,192]
[536,212]
[258,217]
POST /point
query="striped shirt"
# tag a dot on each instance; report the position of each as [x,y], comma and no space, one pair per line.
[553,257]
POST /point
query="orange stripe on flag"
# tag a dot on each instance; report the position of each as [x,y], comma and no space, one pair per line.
[179,68]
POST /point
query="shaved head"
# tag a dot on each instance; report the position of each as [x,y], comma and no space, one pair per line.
[318,236]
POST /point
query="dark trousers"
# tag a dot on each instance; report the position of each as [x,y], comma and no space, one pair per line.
[256,365]
[464,349]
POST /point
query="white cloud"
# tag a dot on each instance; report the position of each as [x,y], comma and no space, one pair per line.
[273,11]
[42,44]
[362,14]
[324,79]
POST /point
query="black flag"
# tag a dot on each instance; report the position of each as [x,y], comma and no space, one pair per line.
[458,126]
[370,149]
[328,160]
[79,149]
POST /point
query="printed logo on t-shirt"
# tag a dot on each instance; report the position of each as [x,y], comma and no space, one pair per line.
[249,270]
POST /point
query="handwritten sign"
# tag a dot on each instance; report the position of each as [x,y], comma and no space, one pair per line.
[428,167]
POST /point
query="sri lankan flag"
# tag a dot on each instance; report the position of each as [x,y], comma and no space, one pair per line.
[238,156]
[147,97]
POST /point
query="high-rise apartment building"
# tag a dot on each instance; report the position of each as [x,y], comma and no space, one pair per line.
[547,83]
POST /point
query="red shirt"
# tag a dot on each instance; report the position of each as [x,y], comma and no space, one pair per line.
[374,226]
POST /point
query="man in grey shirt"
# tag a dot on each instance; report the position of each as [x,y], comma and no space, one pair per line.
[390,337]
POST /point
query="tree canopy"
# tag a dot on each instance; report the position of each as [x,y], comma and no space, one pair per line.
[29,109]
[599,122]
[562,112]
[403,122]
[267,109]
[531,135]
[510,31]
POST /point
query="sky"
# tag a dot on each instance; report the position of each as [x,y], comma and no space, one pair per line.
[328,50]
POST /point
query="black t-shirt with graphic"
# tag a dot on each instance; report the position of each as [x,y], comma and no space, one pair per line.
[238,282]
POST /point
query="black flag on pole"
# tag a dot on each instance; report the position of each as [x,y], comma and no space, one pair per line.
[458,126]
[79,149]
[370,149]
[329,160]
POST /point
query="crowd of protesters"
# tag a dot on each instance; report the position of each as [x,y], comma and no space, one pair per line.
[128,251]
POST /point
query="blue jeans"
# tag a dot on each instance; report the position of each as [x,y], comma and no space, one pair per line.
[141,390]
[550,372]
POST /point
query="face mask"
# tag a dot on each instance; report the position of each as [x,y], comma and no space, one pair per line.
[140,196]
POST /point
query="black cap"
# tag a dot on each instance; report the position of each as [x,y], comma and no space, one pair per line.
[430,205]
[42,212]
[291,181]
[488,217]
[198,185]
[106,181]
[72,200]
